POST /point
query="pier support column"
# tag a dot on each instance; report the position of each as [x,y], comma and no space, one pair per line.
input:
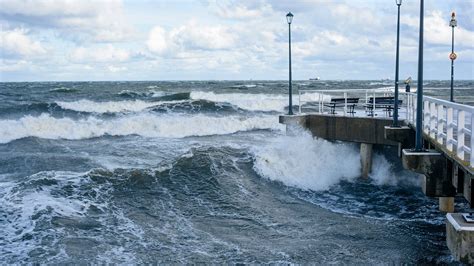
[460,238]
[404,135]
[366,158]
[432,164]
[446,204]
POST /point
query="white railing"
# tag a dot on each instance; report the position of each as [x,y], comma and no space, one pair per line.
[323,97]
[449,124]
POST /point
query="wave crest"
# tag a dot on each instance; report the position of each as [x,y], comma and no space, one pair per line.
[147,125]
[307,163]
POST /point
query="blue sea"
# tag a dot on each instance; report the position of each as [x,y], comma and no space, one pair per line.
[200,172]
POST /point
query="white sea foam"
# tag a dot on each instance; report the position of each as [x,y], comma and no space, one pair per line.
[106,107]
[247,101]
[307,163]
[253,101]
[144,124]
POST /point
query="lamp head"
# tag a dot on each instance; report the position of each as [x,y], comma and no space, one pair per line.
[289,17]
[398,2]
[453,23]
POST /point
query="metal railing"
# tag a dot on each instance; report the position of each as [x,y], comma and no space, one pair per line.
[449,124]
[323,97]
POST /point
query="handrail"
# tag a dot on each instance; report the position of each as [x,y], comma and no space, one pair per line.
[449,124]
[323,95]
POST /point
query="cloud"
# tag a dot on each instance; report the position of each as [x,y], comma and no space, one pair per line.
[101,54]
[86,19]
[191,37]
[16,43]
[157,40]
[13,65]
[239,9]
[438,32]
[116,68]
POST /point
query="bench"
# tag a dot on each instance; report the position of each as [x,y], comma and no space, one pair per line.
[386,103]
[341,102]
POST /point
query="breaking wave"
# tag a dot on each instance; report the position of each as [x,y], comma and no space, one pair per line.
[108,107]
[147,125]
[256,102]
[252,102]
[307,163]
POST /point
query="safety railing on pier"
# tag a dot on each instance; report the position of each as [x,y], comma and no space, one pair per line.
[320,101]
[449,124]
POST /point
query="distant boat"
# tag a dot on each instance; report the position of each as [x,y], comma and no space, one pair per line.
[316,78]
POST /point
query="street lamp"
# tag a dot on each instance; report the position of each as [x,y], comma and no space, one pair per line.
[395,107]
[419,91]
[453,23]
[289,19]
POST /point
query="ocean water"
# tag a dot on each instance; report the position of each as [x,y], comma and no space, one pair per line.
[199,172]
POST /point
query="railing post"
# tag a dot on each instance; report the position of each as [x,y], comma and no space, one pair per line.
[432,120]
[449,129]
[426,112]
[319,103]
[440,118]
[461,136]
[373,105]
[472,139]
[345,103]
[299,102]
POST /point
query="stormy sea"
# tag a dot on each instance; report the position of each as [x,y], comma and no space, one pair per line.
[200,172]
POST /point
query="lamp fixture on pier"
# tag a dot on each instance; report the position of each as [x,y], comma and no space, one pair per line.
[289,19]
[395,104]
[452,23]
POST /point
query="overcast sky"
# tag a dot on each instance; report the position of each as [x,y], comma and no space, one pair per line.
[202,40]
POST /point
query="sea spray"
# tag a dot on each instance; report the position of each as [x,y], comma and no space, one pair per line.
[307,163]
[384,173]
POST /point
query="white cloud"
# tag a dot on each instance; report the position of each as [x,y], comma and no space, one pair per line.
[100,20]
[102,54]
[157,40]
[191,37]
[239,9]
[16,43]
[13,65]
[438,31]
[116,68]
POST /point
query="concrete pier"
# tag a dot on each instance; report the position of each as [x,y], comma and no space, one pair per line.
[460,238]
[366,159]
[446,165]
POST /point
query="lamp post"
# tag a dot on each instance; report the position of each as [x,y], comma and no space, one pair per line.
[395,107]
[289,19]
[419,92]
[453,23]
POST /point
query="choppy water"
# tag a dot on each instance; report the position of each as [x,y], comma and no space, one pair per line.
[176,172]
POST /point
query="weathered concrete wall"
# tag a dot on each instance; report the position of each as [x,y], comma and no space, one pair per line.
[353,129]
[432,164]
[460,238]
